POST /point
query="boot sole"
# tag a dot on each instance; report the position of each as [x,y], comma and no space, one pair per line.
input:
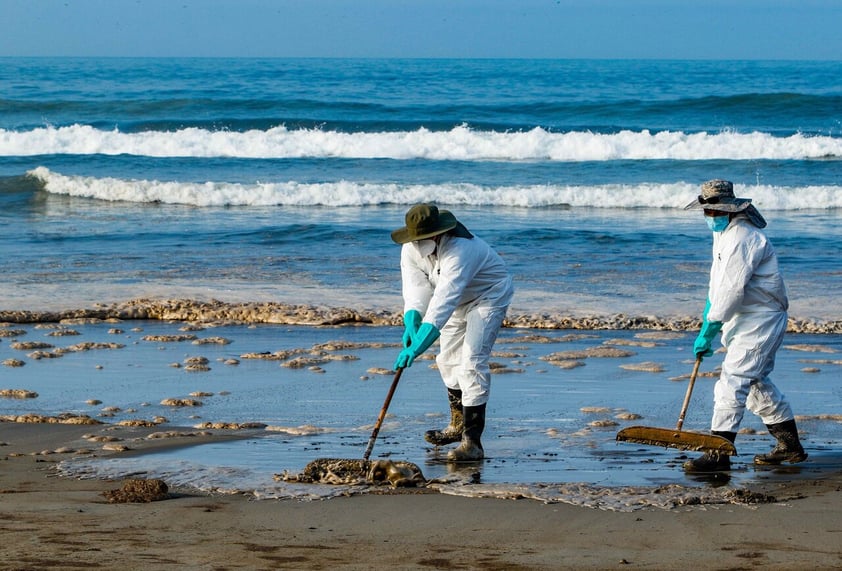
[711,471]
[437,441]
[790,460]
[690,468]
[451,460]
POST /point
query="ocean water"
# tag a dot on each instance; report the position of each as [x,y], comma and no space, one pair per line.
[274,179]
[280,180]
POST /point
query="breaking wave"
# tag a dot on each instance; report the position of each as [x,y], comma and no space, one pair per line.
[347,193]
[460,143]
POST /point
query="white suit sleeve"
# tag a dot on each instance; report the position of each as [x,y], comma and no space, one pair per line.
[416,286]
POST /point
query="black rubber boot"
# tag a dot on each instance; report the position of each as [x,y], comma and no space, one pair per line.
[712,461]
[788,448]
[453,432]
[470,449]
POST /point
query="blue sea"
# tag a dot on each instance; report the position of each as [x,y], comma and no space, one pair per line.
[281,179]
[274,179]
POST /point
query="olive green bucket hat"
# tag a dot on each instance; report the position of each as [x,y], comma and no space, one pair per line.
[426,221]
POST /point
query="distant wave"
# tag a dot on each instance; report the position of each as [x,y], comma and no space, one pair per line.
[346,193]
[779,113]
[459,143]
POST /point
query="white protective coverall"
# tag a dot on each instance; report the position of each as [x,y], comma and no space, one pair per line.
[464,289]
[747,294]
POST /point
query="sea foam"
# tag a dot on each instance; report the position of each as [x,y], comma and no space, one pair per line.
[459,143]
[347,193]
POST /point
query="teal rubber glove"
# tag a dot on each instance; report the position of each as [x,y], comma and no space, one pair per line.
[411,323]
[708,332]
[425,336]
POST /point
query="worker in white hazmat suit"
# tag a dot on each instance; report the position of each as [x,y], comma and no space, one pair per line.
[747,302]
[455,286]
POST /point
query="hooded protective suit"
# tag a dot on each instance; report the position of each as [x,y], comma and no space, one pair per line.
[464,290]
[747,294]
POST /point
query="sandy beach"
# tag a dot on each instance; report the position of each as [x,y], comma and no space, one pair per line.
[50,522]
[197,260]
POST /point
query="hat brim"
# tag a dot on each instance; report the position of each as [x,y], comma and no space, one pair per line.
[447,222]
[735,205]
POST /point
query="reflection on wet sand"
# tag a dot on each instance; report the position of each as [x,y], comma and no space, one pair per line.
[559,398]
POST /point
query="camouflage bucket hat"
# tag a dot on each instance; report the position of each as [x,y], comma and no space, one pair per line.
[718,195]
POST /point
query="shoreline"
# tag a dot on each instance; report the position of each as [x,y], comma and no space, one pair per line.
[783,521]
[42,514]
[277,313]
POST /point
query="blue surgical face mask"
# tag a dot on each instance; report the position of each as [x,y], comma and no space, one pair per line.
[717,223]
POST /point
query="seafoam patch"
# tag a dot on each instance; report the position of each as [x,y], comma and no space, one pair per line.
[625,499]
[219,480]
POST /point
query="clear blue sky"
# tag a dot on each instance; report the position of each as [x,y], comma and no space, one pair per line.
[694,29]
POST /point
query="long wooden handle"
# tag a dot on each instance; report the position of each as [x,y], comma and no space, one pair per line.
[382,415]
[689,392]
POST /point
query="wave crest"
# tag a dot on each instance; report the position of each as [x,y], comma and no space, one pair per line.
[347,193]
[459,143]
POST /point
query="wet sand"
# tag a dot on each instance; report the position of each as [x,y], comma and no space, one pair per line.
[49,522]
